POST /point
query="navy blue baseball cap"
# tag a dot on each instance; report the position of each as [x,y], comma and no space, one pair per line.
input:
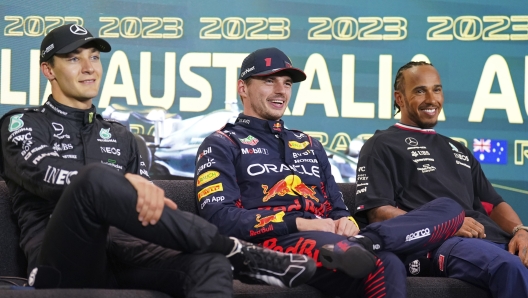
[67,38]
[265,62]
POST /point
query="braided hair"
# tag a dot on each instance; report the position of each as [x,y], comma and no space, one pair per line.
[399,81]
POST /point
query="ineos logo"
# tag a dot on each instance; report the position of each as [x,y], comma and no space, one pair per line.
[78,30]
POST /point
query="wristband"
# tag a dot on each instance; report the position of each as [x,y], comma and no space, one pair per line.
[353,220]
[519,227]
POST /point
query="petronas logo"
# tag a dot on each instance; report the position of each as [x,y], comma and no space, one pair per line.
[105,133]
[15,122]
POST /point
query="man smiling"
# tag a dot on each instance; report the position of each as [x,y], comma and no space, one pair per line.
[259,181]
[409,165]
[77,181]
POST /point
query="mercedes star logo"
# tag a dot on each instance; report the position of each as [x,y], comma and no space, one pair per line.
[411,141]
[78,30]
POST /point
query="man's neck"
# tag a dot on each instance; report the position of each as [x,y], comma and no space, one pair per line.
[73,103]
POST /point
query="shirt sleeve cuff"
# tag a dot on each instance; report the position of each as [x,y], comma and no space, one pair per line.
[291,224]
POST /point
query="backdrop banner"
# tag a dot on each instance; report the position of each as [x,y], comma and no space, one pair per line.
[171,75]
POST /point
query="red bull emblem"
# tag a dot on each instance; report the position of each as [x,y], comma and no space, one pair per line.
[263,221]
[305,191]
[277,126]
[291,185]
[280,188]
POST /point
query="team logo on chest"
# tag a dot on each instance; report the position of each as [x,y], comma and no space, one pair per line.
[277,127]
[105,133]
[411,141]
[106,136]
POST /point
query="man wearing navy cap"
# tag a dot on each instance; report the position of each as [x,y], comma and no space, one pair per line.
[261,182]
[78,181]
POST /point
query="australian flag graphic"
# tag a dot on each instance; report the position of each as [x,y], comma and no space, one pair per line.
[491,151]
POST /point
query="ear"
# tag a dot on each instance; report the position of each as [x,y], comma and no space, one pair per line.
[398,97]
[242,90]
[46,69]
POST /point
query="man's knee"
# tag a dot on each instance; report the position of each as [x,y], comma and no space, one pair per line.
[92,181]
[94,176]
[389,276]
[446,203]
[390,262]
[509,265]
[93,172]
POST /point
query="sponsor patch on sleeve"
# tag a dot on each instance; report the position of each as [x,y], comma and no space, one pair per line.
[15,122]
[206,177]
[209,190]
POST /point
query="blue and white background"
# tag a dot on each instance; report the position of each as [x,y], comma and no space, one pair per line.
[182,56]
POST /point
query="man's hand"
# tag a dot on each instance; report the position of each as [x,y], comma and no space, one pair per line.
[519,243]
[150,201]
[345,227]
[325,225]
[471,229]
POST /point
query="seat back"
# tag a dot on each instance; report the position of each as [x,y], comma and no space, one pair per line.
[181,192]
[12,259]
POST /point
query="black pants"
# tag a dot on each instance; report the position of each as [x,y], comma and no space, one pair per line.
[175,255]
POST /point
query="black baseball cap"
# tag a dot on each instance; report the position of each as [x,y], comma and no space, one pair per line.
[67,38]
[265,62]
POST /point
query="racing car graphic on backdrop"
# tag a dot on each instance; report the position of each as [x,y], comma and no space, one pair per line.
[168,143]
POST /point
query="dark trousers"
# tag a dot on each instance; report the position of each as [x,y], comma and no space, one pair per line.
[175,255]
[483,263]
[415,233]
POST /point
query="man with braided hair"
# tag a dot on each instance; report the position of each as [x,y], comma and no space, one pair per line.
[258,181]
[409,165]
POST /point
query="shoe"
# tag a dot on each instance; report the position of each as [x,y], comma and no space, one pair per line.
[349,256]
[257,265]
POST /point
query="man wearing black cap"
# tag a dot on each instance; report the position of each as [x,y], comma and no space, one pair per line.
[76,179]
[258,181]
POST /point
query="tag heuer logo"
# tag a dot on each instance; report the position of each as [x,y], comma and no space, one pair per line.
[15,122]
[105,133]
[250,140]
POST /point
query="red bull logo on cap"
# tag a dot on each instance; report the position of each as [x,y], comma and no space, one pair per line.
[291,185]
[263,221]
